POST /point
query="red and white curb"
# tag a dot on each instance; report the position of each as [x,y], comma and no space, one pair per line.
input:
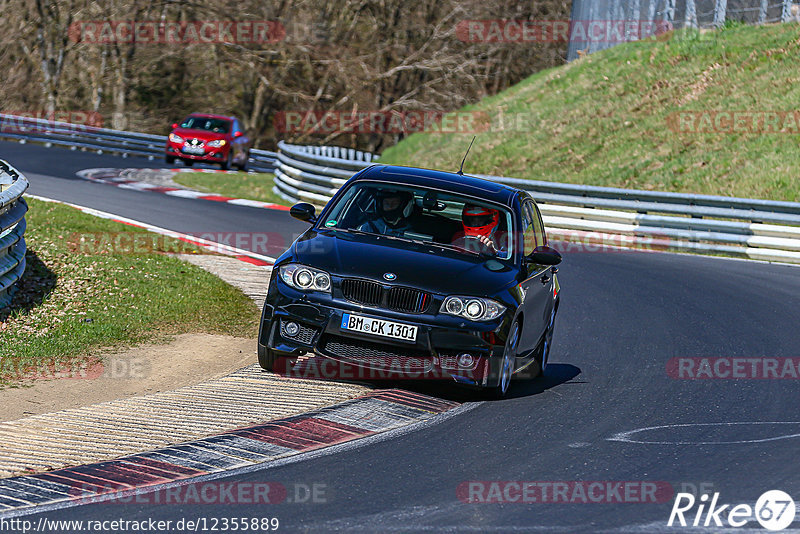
[211,246]
[374,413]
[113,177]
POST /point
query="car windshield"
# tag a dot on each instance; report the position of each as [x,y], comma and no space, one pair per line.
[207,123]
[424,215]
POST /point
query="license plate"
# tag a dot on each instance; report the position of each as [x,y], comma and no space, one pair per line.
[379,327]
[194,150]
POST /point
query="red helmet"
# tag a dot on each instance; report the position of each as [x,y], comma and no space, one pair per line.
[479,221]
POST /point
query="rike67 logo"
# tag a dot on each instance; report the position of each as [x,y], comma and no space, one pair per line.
[774,510]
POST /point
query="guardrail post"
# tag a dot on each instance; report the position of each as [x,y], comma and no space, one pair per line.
[720,8]
[786,12]
[762,12]
[690,19]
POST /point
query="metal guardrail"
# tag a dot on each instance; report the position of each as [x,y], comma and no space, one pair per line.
[590,215]
[102,140]
[12,229]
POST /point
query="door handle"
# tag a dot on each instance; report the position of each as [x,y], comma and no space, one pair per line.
[544,278]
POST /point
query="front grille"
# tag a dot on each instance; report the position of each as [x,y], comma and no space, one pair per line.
[362,291]
[403,299]
[377,355]
[408,300]
[305,335]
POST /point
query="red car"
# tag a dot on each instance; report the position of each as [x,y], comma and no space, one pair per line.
[210,139]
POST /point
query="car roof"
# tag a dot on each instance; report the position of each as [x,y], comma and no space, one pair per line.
[457,183]
[212,116]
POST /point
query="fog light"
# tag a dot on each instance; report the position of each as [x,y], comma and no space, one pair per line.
[466,361]
[291,328]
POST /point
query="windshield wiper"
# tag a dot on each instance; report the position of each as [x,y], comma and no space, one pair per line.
[447,246]
[461,249]
[349,230]
[362,232]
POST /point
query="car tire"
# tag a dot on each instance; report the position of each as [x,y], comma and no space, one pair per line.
[188,162]
[274,362]
[548,338]
[542,353]
[243,166]
[507,366]
[225,165]
[169,159]
[267,358]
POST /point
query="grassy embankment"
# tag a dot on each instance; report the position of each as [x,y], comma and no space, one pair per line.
[611,119]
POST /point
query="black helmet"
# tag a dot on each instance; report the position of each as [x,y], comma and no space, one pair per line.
[395,214]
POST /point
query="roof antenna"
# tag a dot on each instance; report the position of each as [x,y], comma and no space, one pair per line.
[461,169]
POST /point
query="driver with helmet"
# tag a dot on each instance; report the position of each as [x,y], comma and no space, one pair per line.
[480,229]
[393,208]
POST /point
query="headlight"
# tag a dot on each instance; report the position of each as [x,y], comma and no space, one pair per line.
[216,143]
[175,138]
[472,308]
[305,278]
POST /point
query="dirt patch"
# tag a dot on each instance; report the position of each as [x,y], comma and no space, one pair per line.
[188,360]
[700,85]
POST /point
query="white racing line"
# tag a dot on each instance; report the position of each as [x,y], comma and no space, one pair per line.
[212,246]
[628,436]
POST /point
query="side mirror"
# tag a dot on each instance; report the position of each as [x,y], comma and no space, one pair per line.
[174,125]
[544,255]
[304,212]
[237,134]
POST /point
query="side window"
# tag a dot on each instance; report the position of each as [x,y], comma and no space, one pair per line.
[528,229]
[538,226]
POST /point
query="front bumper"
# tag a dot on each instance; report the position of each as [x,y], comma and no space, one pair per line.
[438,352]
[215,155]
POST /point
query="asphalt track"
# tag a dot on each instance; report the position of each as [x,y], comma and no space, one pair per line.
[623,316]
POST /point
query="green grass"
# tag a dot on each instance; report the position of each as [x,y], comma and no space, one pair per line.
[256,186]
[603,119]
[77,300]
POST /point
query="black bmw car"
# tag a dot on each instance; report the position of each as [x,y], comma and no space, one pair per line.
[418,273]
